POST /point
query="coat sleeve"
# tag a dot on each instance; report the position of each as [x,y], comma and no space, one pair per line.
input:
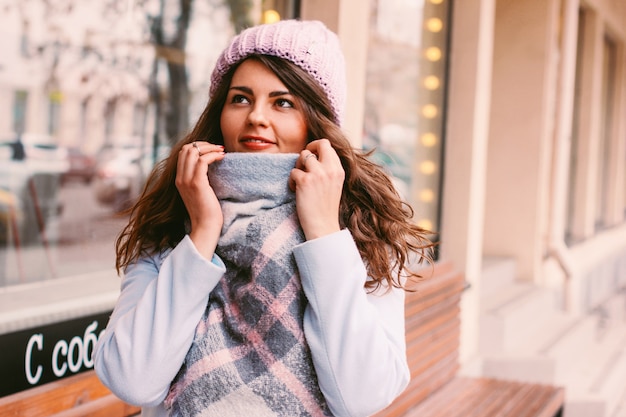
[153,323]
[356,338]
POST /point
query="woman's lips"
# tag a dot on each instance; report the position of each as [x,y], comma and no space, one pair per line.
[256,143]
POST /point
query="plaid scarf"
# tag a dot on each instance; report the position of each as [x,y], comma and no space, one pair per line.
[249,356]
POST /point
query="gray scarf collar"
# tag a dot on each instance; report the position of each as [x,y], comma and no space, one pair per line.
[249,356]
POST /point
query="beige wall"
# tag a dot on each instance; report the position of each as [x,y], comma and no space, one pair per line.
[530,137]
[521,128]
[466,153]
[349,19]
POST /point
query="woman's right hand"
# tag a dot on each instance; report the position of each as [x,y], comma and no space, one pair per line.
[192,182]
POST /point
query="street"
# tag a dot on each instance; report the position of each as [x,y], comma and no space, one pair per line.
[79,241]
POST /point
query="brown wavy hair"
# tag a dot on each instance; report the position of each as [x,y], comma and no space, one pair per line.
[379,220]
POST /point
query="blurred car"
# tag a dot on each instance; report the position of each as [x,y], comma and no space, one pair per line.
[39,151]
[31,166]
[118,176]
[121,171]
[82,167]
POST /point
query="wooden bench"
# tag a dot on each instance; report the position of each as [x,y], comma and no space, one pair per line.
[433,338]
[80,395]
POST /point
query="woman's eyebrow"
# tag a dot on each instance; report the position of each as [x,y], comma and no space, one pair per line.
[243,89]
[249,91]
[279,93]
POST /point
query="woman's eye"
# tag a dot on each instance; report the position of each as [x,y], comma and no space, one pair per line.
[284,103]
[238,98]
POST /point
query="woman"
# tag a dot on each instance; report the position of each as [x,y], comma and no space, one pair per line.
[265,262]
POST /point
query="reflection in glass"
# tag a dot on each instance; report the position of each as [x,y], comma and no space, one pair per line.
[96,93]
[405,96]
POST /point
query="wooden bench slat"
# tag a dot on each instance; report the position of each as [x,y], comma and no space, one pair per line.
[424,384]
[66,397]
[436,375]
[434,402]
[418,302]
[551,407]
[544,402]
[496,396]
[529,400]
[432,329]
[53,397]
[486,397]
[440,269]
[106,406]
[422,323]
[432,350]
[429,288]
[464,404]
[424,298]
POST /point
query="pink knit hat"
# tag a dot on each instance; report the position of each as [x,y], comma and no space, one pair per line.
[308,44]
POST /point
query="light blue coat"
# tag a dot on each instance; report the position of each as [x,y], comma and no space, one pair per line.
[356,339]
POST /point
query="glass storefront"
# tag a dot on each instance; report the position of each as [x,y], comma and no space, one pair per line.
[405,98]
[91,95]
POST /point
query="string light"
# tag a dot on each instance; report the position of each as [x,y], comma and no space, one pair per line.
[430,111]
[271,16]
[428,167]
[433,54]
[425,224]
[431,82]
[434,24]
[427,195]
[429,139]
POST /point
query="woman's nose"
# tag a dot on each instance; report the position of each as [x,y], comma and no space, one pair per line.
[257,115]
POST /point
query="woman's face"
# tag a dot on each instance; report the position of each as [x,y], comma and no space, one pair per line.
[260,115]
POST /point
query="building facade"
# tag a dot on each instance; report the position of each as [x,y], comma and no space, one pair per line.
[501,121]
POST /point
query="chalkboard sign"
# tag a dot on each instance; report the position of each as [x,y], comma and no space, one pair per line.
[33,357]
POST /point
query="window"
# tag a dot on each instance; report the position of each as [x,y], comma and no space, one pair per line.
[405,99]
[607,132]
[82,122]
[109,120]
[570,227]
[19,110]
[54,113]
[24,41]
[139,119]
[97,88]
[595,198]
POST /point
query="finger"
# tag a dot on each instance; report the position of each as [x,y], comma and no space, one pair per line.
[202,166]
[326,154]
[306,156]
[186,153]
[324,151]
[191,152]
[318,146]
[205,147]
[197,147]
[295,178]
[292,182]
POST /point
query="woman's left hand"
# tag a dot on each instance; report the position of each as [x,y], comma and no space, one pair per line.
[317,181]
